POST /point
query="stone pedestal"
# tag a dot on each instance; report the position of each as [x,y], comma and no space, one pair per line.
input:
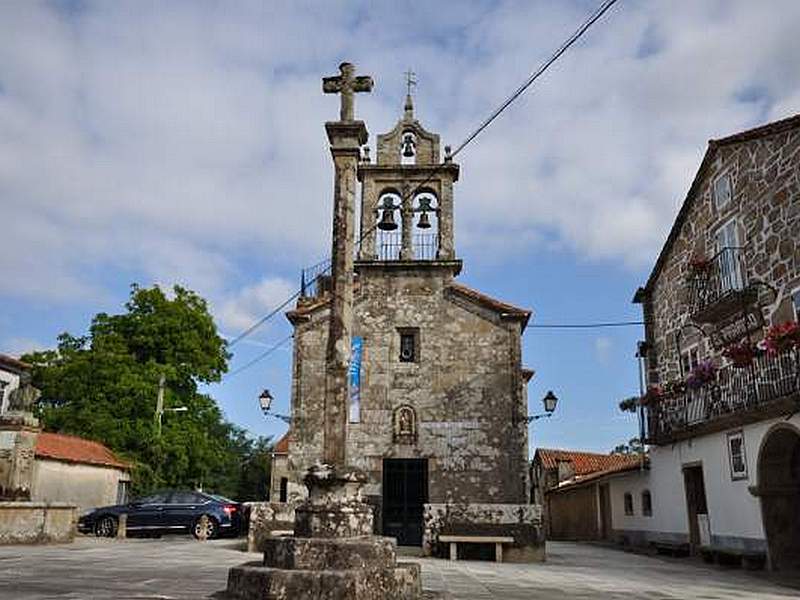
[18,433]
[333,554]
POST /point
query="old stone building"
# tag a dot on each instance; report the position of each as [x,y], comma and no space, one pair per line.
[437,386]
[721,359]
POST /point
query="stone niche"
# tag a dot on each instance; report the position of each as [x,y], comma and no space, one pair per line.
[523,522]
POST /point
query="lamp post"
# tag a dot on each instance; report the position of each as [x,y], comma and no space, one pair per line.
[265,401]
[550,401]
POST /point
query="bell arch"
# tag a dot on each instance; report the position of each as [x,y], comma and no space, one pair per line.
[389,225]
[425,232]
[779,489]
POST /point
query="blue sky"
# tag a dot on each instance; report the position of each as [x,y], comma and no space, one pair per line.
[183,142]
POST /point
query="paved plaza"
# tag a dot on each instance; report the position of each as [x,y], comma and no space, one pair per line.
[180,568]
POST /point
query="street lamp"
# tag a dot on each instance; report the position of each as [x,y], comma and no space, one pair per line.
[550,401]
[265,400]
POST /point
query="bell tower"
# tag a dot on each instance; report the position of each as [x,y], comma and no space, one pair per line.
[407,199]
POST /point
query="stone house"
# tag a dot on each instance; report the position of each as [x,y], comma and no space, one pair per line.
[720,414]
[437,387]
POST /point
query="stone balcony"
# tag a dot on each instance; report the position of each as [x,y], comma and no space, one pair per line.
[768,388]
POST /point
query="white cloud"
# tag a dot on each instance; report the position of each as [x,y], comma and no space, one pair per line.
[253,302]
[170,140]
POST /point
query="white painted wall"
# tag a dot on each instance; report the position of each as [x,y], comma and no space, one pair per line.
[733,510]
[87,486]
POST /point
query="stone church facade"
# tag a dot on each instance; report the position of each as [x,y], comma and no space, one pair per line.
[438,390]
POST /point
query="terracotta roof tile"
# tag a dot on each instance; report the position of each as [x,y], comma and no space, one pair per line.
[282,445]
[14,363]
[76,449]
[585,463]
[632,465]
[491,303]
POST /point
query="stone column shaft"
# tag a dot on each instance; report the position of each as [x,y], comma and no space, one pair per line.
[345,140]
[407,217]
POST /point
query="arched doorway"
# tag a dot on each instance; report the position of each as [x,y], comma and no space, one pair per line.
[779,488]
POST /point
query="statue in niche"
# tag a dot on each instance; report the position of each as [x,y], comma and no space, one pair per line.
[405,425]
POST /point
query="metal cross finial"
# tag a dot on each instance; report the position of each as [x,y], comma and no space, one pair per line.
[411,80]
[347,84]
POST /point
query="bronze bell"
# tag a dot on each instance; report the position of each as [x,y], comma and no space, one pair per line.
[424,221]
[408,145]
[387,220]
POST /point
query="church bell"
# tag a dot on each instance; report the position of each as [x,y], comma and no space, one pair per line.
[408,145]
[387,220]
[424,222]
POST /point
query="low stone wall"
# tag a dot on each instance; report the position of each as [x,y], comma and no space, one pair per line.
[523,522]
[266,518]
[37,522]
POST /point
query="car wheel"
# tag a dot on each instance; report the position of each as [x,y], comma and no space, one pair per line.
[204,528]
[105,527]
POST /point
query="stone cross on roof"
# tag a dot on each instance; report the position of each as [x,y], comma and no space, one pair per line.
[347,84]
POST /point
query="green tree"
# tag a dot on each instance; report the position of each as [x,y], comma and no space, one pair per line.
[104,385]
[634,446]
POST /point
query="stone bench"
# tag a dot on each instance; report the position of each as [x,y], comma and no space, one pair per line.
[455,540]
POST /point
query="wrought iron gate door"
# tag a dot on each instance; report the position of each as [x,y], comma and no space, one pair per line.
[405,491]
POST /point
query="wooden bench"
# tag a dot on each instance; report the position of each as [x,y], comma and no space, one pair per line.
[455,540]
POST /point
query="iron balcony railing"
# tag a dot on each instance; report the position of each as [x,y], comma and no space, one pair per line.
[735,391]
[388,246]
[315,280]
[720,281]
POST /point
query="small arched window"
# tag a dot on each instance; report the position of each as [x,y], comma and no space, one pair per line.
[628,499]
[647,504]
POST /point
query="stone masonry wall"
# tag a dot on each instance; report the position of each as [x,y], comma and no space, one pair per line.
[466,388]
[765,176]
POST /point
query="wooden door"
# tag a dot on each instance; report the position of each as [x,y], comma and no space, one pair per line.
[695,502]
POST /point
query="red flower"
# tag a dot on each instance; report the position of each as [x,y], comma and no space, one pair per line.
[783,337]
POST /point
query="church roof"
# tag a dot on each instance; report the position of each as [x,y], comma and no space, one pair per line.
[773,128]
[503,308]
[282,445]
[585,463]
[70,448]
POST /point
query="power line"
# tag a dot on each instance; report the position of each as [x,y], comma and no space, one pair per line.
[260,357]
[536,74]
[517,93]
[584,325]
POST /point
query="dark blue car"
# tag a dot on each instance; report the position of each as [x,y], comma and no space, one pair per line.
[168,512]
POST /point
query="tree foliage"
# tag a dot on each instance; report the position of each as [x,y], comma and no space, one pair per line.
[103,386]
[634,446]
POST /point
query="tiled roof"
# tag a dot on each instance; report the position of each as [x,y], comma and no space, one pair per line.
[633,465]
[77,450]
[282,446]
[585,463]
[491,303]
[13,363]
[750,134]
[308,307]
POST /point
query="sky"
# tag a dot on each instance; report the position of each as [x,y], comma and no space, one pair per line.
[183,142]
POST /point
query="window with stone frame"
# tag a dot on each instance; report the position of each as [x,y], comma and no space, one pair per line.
[409,344]
[796,304]
[723,191]
[647,504]
[628,501]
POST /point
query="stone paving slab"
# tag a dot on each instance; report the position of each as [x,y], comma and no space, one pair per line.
[179,568]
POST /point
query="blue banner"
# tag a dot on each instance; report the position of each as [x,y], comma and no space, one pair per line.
[356,350]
